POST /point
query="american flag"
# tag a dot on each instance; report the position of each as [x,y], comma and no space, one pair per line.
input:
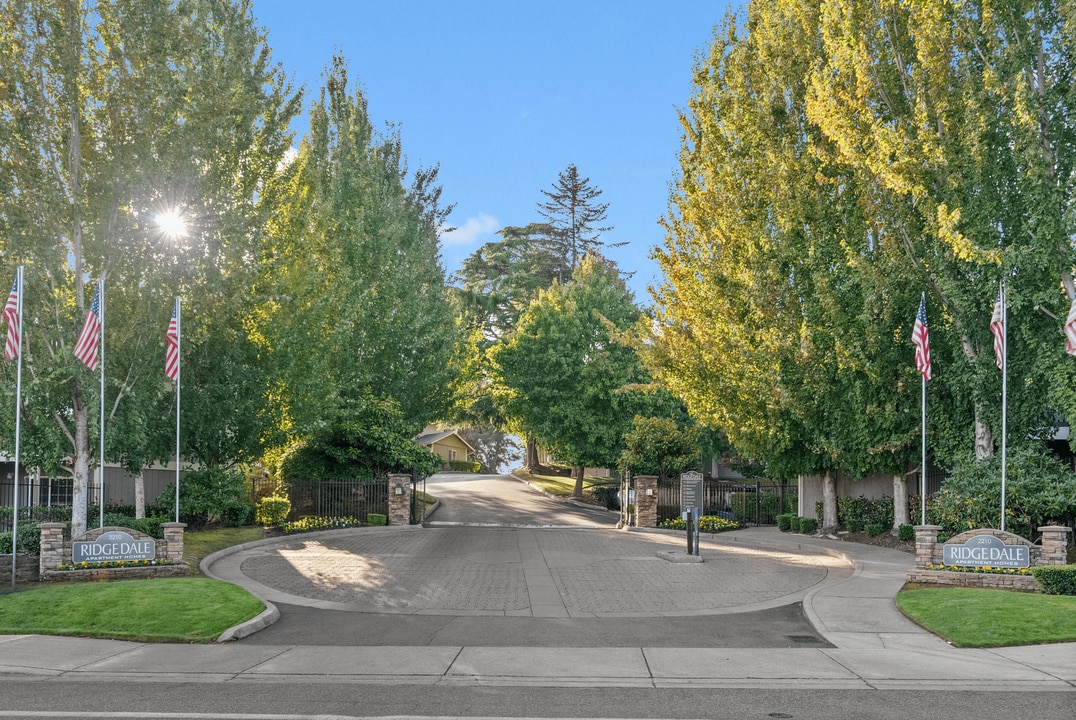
[921,340]
[11,314]
[997,326]
[1070,330]
[171,336]
[86,347]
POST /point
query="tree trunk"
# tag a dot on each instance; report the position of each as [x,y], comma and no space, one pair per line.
[577,473]
[80,471]
[984,437]
[900,502]
[140,495]
[532,454]
[829,503]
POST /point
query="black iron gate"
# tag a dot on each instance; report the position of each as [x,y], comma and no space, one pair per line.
[756,502]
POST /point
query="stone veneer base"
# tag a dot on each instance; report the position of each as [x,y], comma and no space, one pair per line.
[1025,583]
[145,572]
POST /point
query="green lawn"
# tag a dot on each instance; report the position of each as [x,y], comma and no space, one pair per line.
[167,609]
[564,486]
[977,617]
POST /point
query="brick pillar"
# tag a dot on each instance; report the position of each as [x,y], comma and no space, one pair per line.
[1055,544]
[173,538]
[52,546]
[399,499]
[926,540]
[646,501]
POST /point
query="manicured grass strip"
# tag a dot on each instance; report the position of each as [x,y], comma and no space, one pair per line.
[976,617]
[200,544]
[564,486]
[167,609]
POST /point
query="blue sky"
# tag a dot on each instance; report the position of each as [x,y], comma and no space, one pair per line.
[504,95]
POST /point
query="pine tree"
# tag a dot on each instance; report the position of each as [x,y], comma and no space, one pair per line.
[575,216]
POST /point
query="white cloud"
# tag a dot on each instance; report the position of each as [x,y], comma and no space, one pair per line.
[470,230]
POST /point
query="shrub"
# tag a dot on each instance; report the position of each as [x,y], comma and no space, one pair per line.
[906,533]
[1039,490]
[272,511]
[1056,579]
[465,466]
[784,522]
[874,528]
[204,494]
[855,513]
[794,523]
[376,519]
[237,514]
[808,525]
[854,525]
[29,539]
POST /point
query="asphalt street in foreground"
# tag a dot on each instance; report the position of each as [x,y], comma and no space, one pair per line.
[277,700]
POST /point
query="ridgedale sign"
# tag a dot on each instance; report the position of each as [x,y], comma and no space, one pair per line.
[986,551]
[114,546]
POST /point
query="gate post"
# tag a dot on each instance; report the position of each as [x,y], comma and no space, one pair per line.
[646,501]
[399,499]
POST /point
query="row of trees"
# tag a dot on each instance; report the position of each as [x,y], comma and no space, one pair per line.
[312,285]
[839,158]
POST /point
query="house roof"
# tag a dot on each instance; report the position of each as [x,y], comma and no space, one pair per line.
[429,438]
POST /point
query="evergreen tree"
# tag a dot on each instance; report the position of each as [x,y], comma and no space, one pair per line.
[574,215]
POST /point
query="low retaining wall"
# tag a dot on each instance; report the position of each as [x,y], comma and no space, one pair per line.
[929,552]
[56,551]
[26,569]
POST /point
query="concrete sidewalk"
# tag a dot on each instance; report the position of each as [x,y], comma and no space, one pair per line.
[847,592]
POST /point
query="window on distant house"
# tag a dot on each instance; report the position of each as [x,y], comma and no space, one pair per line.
[451,454]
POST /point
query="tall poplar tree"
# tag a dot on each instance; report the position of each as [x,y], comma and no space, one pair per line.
[114,114]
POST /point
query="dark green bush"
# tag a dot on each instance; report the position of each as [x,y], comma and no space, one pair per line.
[808,525]
[855,513]
[465,466]
[1040,489]
[906,533]
[794,523]
[237,514]
[29,539]
[1056,579]
[376,519]
[874,528]
[854,525]
[205,494]
[784,522]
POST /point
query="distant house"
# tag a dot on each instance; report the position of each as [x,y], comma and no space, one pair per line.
[447,444]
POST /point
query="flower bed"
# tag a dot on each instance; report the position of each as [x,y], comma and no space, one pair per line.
[707,524]
[311,523]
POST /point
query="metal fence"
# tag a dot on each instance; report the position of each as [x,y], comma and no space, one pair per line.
[44,500]
[750,503]
[327,498]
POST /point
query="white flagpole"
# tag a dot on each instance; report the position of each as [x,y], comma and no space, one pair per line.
[179,375]
[101,425]
[923,465]
[1004,391]
[18,428]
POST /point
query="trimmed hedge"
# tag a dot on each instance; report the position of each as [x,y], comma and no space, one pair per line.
[272,511]
[807,525]
[1056,579]
[465,466]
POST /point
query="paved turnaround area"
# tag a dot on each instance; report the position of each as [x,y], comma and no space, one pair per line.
[412,584]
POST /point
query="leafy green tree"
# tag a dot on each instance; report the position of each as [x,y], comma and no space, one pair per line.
[355,295]
[368,438]
[561,376]
[661,446]
[781,317]
[120,112]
